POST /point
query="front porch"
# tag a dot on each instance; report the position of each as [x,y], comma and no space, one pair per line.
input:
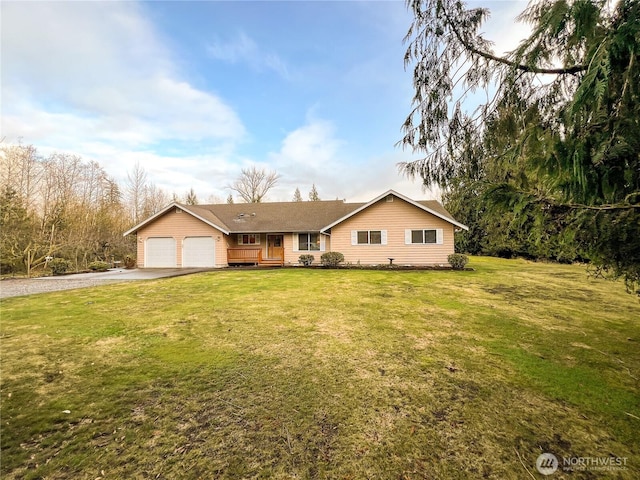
[254,256]
[272,255]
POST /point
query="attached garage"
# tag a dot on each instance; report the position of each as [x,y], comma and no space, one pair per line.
[198,252]
[160,252]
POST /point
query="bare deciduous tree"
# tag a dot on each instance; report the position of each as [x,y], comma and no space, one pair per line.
[214,199]
[135,187]
[20,170]
[59,205]
[155,198]
[253,184]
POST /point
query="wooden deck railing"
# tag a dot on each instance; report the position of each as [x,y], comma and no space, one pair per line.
[244,255]
[252,255]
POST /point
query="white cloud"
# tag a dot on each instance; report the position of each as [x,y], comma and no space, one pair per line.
[95,79]
[315,140]
[503,29]
[313,154]
[98,71]
[243,49]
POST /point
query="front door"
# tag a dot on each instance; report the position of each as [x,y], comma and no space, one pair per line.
[275,247]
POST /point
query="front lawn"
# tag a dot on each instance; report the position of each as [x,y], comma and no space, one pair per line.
[348,374]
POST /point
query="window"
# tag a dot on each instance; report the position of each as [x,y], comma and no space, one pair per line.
[309,242]
[249,239]
[375,237]
[433,235]
[369,237]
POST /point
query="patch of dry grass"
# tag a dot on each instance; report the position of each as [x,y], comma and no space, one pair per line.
[300,373]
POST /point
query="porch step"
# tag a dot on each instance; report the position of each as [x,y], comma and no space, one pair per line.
[271,263]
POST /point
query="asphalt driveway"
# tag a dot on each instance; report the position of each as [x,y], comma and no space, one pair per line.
[15,287]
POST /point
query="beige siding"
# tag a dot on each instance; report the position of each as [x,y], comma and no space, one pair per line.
[290,257]
[394,217]
[179,226]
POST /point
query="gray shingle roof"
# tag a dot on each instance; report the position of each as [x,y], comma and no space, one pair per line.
[436,207]
[275,216]
[285,216]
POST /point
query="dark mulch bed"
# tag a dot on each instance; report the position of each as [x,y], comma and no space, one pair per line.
[382,267]
[394,268]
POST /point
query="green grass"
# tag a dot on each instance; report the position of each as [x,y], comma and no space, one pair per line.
[348,374]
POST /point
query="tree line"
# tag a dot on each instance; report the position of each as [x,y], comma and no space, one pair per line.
[60,206]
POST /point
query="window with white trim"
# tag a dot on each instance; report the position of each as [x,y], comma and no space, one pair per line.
[424,236]
[368,237]
[309,242]
[249,239]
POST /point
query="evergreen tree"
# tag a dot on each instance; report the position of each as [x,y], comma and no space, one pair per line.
[16,228]
[192,198]
[313,194]
[553,157]
[297,197]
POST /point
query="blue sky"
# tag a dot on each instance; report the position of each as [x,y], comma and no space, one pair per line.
[195,91]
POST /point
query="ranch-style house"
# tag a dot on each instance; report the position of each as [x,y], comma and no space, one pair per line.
[389,228]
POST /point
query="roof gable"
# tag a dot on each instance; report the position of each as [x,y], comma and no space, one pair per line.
[431,206]
[206,217]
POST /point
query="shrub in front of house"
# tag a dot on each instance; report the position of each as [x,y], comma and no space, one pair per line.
[332,259]
[98,266]
[306,259]
[457,261]
[59,266]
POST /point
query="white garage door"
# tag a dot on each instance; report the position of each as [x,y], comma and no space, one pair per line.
[198,252]
[160,252]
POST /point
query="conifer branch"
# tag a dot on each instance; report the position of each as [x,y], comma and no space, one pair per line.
[572,70]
